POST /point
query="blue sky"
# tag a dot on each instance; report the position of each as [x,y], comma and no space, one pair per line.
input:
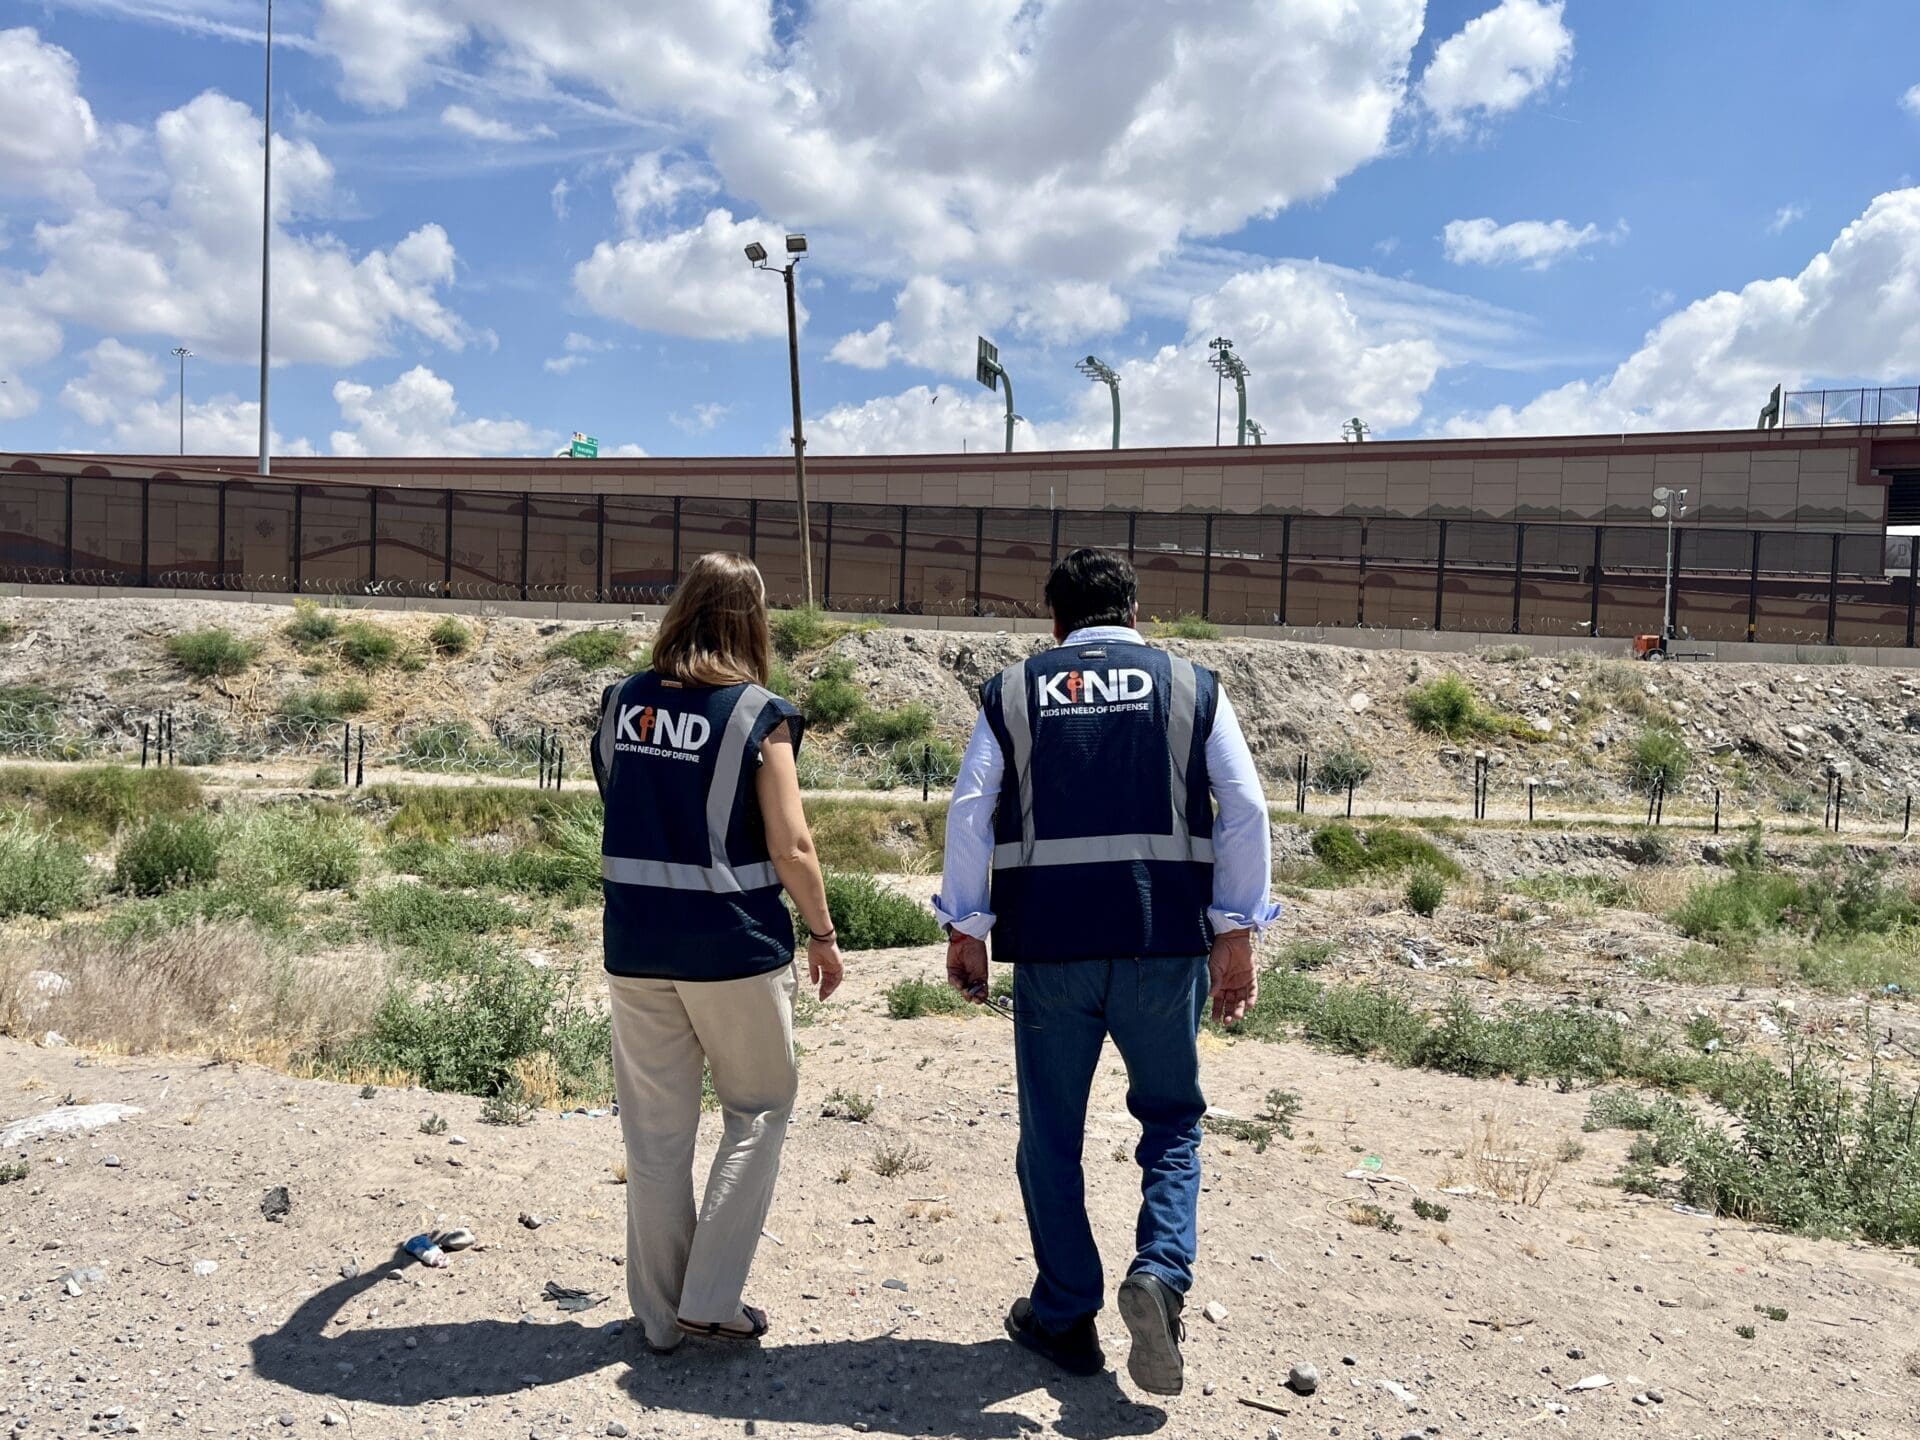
[500,222]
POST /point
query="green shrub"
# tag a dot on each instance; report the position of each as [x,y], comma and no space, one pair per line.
[307,847]
[310,626]
[166,854]
[905,762]
[1660,756]
[878,835]
[224,900]
[307,712]
[29,718]
[447,743]
[449,637]
[832,696]
[213,651]
[868,916]
[1445,706]
[799,630]
[101,799]
[39,873]
[439,811]
[911,998]
[1385,850]
[467,1032]
[594,649]
[781,682]
[1186,627]
[1256,1133]
[367,646]
[1340,768]
[434,922]
[883,729]
[325,776]
[525,870]
[1425,890]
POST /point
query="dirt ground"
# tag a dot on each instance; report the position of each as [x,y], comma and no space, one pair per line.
[1486,1322]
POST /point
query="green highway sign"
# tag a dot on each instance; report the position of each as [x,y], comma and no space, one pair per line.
[584,447]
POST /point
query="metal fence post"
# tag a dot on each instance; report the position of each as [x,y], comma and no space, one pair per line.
[373,544]
[1360,591]
[1913,582]
[1519,567]
[600,549]
[979,553]
[1599,539]
[1053,539]
[901,606]
[926,771]
[1833,590]
[299,535]
[146,530]
[143,744]
[826,568]
[1286,566]
[1440,580]
[1753,597]
[753,530]
[446,545]
[360,763]
[220,532]
[1133,525]
[1206,571]
[346,753]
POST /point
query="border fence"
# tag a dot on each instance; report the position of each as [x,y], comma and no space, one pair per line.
[1266,569]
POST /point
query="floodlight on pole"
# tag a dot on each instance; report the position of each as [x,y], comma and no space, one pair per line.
[1218,344]
[1355,430]
[990,373]
[1256,432]
[1094,368]
[266,248]
[757,257]
[1229,366]
[1669,504]
[183,354]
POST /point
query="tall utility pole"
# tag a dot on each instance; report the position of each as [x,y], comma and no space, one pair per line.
[266,249]
[1094,368]
[988,370]
[183,354]
[1668,505]
[1220,345]
[757,257]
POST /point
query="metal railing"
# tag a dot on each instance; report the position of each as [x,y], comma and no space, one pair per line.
[1888,405]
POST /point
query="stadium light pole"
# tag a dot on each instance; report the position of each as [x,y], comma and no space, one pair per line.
[266,248]
[1669,504]
[1219,345]
[1094,368]
[757,257]
[1229,366]
[183,354]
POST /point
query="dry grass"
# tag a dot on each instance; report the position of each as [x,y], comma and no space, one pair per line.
[210,988]
[1499,1161]
[1659,889]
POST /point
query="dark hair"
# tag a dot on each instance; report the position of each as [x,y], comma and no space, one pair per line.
[1092,587]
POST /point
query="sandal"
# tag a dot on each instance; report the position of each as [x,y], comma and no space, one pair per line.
[756,1323]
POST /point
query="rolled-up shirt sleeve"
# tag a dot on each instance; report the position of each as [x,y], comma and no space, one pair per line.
[963,898]
[1242,843]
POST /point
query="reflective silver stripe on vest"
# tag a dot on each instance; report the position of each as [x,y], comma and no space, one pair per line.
[1183,711]
[1099,849]
[718,877]
[609,721]
[1013,713]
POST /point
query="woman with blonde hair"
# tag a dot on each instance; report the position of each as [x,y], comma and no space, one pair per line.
[704,829]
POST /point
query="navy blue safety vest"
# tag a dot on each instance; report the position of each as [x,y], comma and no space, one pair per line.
[1103,833]
[690,891]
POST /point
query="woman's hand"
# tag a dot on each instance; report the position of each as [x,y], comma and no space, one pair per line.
[823,965]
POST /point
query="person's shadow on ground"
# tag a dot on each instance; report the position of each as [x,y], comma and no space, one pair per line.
[895,1386]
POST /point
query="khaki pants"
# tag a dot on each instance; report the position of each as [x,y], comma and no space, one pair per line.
[681,1265]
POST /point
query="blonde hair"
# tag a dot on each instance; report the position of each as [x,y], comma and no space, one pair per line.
[715,631]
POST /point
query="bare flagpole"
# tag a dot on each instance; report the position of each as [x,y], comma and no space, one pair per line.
[266,248]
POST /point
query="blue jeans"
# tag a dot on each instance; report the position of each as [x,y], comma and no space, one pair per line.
[1063,1011]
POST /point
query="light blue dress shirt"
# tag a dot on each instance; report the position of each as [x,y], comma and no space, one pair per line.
[1242,846]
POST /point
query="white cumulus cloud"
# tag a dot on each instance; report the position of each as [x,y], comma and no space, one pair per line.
[46,126]
[936,324]
[1786,215]
[1496,63]
[1910,102]
[418,415]
[1533,243]
[688,282]
[1852,313]
[918,421]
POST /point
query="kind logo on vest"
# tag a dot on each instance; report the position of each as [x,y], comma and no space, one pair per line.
[650,730]
[1095,692]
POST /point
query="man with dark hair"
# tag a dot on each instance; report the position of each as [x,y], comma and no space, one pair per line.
[1083,836]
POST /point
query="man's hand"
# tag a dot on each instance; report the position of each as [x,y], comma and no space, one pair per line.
[824,967]
[1235,986]
[967,966]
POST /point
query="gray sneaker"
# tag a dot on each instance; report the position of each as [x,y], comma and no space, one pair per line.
[1152,1314]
